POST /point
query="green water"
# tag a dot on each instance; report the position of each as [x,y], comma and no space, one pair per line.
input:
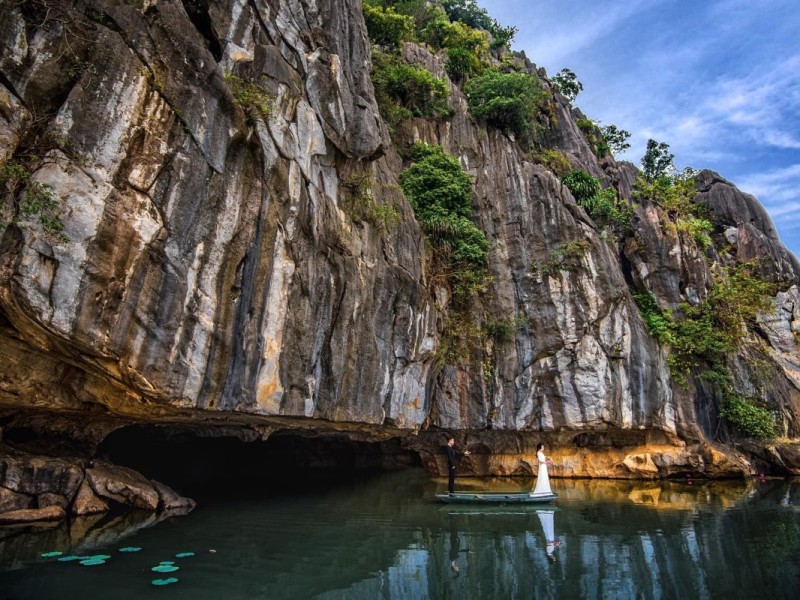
[385,537]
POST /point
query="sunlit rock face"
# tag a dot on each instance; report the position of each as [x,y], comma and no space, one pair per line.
[212,267]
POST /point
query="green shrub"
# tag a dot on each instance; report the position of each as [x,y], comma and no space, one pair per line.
[659,323]
[703,335]
[436,184]
[698,229]
[386,27]
[37,199]
[360,205]
[582,185]
[469,13]
[500,330]
[553,159]
[251,96]
[458,35]
[604,206]
[565,257]
[608,210]
[440,192]
[507,101]
[594,136]
[462,64]
[405,91]
[673,193]
[745,415]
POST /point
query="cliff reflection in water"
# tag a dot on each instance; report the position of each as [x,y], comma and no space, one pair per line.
[386,538]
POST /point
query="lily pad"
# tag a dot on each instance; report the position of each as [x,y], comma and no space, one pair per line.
[130,549]
[70,558]
[51,554]
[184,554]
[167,581]
[167,562]
[92,562]
[165,568]
[100,556]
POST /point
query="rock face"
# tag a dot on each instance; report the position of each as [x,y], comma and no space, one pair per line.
[34,488]
[209,266]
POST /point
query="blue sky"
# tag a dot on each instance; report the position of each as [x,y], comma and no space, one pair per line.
[717,80]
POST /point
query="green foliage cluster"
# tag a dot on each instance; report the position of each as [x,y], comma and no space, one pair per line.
[563,258]
[508,101]
[404,91]
[746,415]
[673,191]
[254,99]
[582,185]
[500,330]
[441,33]
[461,337]
[386,27]
[553,159]
[390,23]
[659,323]
[360,205]
[37,199]
[469,13]
[594,136]
[440,192]
[461,64]
[603,205]
[703,335]
[567,83]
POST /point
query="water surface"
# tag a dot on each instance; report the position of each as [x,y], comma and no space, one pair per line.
[385,537]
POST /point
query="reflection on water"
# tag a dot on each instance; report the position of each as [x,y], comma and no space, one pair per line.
[387,538]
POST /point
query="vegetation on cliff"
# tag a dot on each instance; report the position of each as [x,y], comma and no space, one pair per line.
[441,193]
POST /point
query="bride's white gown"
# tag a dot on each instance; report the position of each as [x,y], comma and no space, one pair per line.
[542,479]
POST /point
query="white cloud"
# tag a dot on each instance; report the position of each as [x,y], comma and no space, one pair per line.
[570,31]
[773,187]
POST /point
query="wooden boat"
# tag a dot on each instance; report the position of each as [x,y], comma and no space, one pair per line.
[496,498]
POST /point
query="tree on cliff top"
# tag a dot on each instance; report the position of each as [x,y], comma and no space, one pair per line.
[567,83]
[657,161]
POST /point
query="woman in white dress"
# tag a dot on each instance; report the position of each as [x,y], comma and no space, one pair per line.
[542,479]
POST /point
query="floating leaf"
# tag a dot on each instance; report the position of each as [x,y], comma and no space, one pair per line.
[165,581]
[165,568]
[167,562]
[70,558]
[51,554]
[184,554]
[130,549]
[91,562]
[100,556]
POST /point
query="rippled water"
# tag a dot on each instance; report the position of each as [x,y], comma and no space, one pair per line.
[385,537]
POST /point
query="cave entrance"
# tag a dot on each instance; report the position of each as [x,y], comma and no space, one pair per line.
[202,465]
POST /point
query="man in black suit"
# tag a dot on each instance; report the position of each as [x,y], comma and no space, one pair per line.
[453,458]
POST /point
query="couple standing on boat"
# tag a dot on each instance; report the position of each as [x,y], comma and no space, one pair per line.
[542,478]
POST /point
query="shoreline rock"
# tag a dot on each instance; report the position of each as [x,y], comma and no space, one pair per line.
[42,488]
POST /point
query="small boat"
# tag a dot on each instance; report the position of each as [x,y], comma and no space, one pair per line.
[496,498]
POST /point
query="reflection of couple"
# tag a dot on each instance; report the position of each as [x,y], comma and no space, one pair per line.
[547,519]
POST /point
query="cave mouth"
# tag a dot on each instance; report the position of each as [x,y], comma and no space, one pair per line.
[203,466]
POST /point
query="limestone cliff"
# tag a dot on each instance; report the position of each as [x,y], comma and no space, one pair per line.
[209,272]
